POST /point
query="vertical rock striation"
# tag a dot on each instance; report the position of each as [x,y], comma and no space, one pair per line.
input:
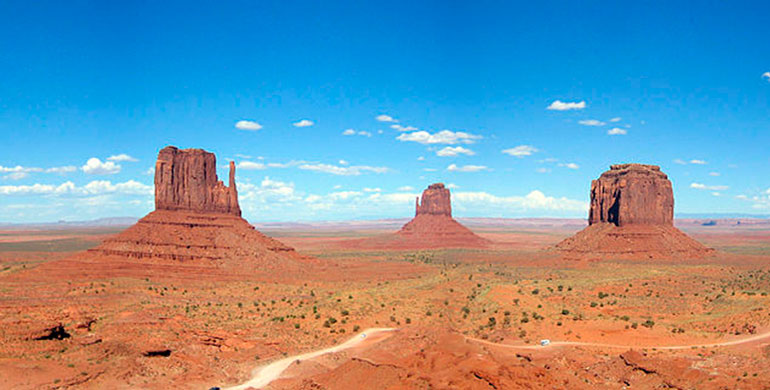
[435,201]
[186,179]
[632,194]
[632,216]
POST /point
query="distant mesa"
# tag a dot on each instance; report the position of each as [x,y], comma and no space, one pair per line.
[632,216]
[197,222]
[433,225]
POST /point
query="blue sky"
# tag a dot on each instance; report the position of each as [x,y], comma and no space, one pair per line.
[517,105]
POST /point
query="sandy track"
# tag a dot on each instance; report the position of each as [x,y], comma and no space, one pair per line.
[263,375]
[744,340]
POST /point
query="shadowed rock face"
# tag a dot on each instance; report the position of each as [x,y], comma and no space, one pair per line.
[435,201]
[186,179]
[632,194]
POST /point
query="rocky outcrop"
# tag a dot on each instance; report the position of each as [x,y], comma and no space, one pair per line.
[186,179]
[197,222]
[433,225]
[631,216]
[435,201]
[632,194]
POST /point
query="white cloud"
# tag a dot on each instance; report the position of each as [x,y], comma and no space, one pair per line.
[402,128]
[569,165]
[698,162]
[466,168]
[97,187]
[353,170]
[535,200]
[680,161]
[247,125]
[616,119]
[16,176]
[521,151]
[367,189]
[406,188]
[442,137]
[766,76]
[700,186]
[421,158]
[452,186]
[385,118]
[617,131]
[303,123]
[94,166]
[453,151]
[62,170]
[715,174]
[122,158]
[150,171]
[559,105]
[250,165]
[353,132]
[542,170]
[343,162]
[591,122]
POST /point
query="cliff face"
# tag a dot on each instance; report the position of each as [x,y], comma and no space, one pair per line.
[435,201]
[186,179]
[631,216]
[632,194]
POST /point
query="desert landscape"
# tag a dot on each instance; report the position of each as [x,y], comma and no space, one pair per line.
[192,296]
[401,195]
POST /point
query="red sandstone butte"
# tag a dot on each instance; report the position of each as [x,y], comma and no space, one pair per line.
[631,216]
[196,223]
[433,225]
[187,180]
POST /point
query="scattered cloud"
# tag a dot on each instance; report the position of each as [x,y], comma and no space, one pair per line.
[569,165]
[680,161]
[535,200]
[766,76]
[367,189]
[353,170]
[591,122]
[353,132]
[421,158]
[343,162]
[453,151]
[616,119]
[442,137]
[542,170]
[715,174]
[406,188]
[16,176]
[303,123]
[617,131]
[97,187]
[250,165]
[247,125]
[700,186]
[62,170]
[466,168]
[452,186]
[559,105]
[402,128]
[521,151]
[94,166]
[122,158]
[698,162]
[385,118]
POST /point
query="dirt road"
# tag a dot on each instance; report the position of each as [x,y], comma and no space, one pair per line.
[265,374]
[552,344]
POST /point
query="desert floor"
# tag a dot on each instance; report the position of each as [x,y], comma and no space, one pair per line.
[461,318]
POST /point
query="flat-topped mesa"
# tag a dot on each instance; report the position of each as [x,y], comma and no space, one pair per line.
[435,201]
[186,179]
[632,194]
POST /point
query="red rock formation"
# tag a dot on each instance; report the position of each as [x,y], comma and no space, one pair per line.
[435,201]
[197,222]
[631,216]
[187,180]
[632,194]
[433,225]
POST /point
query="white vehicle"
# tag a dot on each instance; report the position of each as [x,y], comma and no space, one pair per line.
[545,342]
